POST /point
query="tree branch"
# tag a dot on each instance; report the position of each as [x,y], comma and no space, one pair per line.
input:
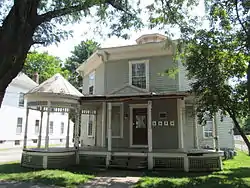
[238,16]
[68,10]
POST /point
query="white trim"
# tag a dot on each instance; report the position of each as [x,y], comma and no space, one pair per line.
[146,62]
[203,131]
[131,107]
[40,153]
[180,105]
[103,123]
[140,90]
[149,125]
[121,122]
[109,126]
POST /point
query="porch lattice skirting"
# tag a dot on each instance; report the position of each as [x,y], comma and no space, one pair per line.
[125,160]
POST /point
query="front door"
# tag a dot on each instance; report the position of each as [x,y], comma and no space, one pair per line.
[140,132]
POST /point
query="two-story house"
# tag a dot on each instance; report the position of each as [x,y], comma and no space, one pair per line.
[130,114]
[13,118]
[143,108]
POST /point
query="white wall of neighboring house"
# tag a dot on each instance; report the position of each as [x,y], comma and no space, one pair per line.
[10,111]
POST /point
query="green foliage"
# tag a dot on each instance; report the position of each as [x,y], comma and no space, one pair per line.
[80,54]
[46,65]
[62,178]
[116,16]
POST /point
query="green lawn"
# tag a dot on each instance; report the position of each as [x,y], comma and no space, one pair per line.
[70,178]
[236,174]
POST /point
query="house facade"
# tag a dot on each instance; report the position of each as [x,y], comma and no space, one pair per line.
[13,118]
[140,69]
[131,114]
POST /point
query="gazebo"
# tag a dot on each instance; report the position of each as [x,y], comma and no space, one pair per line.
[55,95]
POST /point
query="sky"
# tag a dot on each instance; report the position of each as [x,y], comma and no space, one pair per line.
[82,31]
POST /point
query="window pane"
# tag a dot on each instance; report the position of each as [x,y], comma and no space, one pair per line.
[37,127]
[116,121]
[141,121]
[21,100]
[139,75]
[19,125]
[51,127]
[62,127]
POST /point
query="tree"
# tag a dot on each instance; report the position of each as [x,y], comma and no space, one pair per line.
[24,23]
[80,54]
[43,63]
[216,56]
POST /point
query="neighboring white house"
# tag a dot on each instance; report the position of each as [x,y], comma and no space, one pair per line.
[13,113]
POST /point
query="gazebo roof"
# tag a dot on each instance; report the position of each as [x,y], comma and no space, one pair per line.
[57,84]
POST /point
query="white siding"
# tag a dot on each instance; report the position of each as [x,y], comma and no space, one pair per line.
[184,83]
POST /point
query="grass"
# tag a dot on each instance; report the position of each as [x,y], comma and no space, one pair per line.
[66,178]
[236,174]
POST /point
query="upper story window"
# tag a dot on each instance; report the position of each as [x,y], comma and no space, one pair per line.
[208,129]
[51,127]
[62,127]
[139,73]
[37,126]
[91,83]
[21,100]
[19,125]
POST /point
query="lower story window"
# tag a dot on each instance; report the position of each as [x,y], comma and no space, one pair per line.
[17,142]
[208,129]
[34,141]
[2,141]
[51,127]
[90,125]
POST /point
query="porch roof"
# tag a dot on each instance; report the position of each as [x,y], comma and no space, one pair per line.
[134,96]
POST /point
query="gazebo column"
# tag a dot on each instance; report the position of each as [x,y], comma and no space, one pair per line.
[40,130]
[180,106]
[26,129]
[77,124]
[150,140]
[67,137]
[47,127]
[109,134]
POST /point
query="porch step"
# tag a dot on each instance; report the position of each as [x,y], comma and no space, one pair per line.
[129,162]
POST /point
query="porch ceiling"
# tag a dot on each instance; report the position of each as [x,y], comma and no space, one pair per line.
[128,97]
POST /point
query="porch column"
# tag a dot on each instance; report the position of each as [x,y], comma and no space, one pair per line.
[47,127]
[180,106]
[196,144]
[109,127]
[40,130]
[216,137]
[109,134]
[103,123]
[67,136]
[26,129]
[150,141]
[77,123]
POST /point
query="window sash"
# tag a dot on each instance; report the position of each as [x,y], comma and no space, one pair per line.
[208,129]
[138,74]
[19,125]
[37,126]
[90,130]
[21,100]
[51,127]
[62,127]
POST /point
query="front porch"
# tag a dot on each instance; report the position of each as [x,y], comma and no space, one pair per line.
[125,158]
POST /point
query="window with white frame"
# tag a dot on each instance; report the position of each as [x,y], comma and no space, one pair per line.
[19,125]
[92,83]
[62,127]
[21,100]
[51,127]
[208,129]
[90,126]
[37,126]
[139,73]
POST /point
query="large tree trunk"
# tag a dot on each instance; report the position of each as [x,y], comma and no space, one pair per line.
[16,38]
[237,125]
